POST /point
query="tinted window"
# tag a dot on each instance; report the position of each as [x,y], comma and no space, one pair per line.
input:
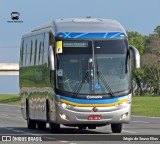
[110,47]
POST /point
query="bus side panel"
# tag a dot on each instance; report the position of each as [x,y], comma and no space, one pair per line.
[34,76]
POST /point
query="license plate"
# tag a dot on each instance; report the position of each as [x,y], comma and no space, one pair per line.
[94,118]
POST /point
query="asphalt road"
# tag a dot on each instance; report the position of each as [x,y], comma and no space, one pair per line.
[11,122]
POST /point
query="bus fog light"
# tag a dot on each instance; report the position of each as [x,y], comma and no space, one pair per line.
[123,116]
[63,116]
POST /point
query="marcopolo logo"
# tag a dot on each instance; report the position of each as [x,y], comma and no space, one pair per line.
[15,16]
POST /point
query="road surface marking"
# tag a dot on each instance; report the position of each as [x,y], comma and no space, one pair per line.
[51,138]
[4,114]
[128,131]
[140,122]
[9,105]
[18,131]
[145,116]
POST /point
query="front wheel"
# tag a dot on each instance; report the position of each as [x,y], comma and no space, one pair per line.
[41,125]
[116,128]
[54,128]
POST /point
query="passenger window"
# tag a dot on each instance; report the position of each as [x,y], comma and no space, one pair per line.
[25,52]
[21,53]
[46,47]
[33,49]
[40,54]
[31,52]
[28,51]
[35,52]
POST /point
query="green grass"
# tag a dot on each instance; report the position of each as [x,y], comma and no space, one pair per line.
[146,106]
[141,105]
[10,99]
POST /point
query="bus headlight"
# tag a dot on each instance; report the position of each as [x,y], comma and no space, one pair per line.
[122,105]
[64,105]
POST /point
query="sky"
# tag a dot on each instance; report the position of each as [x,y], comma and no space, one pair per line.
[134,15]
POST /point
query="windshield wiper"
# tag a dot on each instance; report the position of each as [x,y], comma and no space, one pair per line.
[81,84]
[105,82]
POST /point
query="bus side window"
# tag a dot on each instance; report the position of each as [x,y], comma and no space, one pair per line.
[28,51]
[45,48]
[35,51]
[25,52]
[21,53]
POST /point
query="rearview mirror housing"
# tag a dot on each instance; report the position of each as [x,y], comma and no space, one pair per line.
[51,58]
[136,56]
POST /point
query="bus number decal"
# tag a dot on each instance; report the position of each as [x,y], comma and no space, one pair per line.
[59,48]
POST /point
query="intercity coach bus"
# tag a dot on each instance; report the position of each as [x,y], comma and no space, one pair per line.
[77,72]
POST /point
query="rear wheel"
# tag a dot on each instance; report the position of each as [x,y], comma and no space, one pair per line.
[31,124]
[116,128]
[41,125]
[54,128]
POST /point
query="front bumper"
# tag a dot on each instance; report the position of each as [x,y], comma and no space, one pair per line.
[79,115]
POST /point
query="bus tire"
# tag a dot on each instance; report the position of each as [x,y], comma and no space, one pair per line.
[82,127]
[48,112]
[54,128]
[41,125]
[31,124]
[116,128]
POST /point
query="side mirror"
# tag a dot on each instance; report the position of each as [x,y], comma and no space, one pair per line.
[51,58]
[136,56]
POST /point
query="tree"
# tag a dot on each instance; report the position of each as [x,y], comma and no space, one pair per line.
[157,31]
[151,61]
[137,40]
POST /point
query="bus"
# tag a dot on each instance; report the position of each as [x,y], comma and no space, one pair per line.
[77,72]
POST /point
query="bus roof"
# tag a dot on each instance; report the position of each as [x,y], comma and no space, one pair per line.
[82,25]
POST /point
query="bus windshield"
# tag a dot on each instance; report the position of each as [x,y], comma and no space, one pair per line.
[93,67]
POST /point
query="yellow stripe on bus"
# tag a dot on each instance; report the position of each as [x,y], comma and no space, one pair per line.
[93,105]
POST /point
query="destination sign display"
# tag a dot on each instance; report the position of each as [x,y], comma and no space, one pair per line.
[75,44]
